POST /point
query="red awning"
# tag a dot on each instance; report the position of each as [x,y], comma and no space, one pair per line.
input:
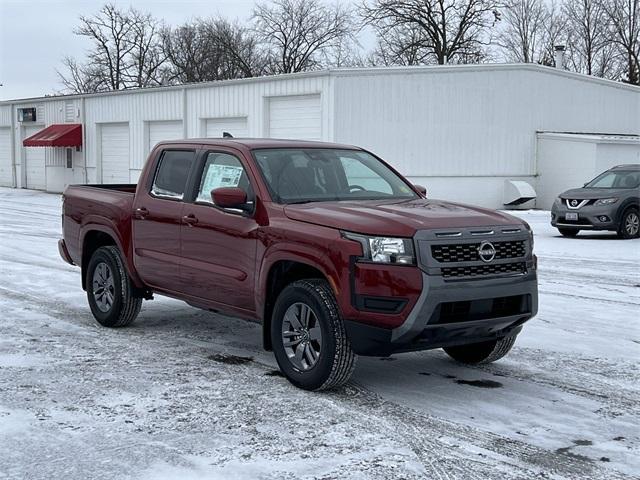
[59,135]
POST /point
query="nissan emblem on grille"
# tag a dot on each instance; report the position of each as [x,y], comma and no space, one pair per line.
[486,252]
[574,203]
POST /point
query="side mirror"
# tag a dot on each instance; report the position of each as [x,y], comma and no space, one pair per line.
[422,190]
[229,197]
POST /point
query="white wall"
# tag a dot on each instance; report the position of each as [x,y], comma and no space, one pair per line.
[442,124]
[611,154]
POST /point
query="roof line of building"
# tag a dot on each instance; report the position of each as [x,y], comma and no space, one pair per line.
[339,72]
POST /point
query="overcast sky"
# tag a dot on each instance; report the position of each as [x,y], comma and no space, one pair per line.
[36,34]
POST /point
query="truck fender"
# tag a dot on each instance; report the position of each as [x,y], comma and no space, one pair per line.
[96,223]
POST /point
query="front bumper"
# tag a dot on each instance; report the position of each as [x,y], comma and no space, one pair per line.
[590,217]
[428,326]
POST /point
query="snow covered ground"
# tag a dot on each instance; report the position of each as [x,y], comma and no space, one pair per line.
[186,394]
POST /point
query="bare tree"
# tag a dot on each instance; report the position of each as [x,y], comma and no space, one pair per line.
[296,33]
[452,31]
[81,78]
[125,52]
[146,55]
[212,49]
[624,25]
[110,31]
[554,34]
[401,45]
[523,30]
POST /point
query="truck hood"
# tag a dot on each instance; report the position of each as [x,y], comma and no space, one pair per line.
[396,217]
[590,193]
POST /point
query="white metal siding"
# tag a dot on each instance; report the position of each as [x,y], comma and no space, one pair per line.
[6,172]
[296,117]
[35,162]
[114,149]
[164,130]
[236,126]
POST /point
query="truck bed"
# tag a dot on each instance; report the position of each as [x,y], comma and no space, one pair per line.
[109,206]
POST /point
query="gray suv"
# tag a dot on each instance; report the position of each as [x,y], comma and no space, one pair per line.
[608,202]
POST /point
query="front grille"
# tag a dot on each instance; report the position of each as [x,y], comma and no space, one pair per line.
[484,270]
[468,252]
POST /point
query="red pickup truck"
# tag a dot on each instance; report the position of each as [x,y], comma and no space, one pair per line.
[327,246]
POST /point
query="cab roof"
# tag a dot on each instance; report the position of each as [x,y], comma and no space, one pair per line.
[630,166]
[258,143]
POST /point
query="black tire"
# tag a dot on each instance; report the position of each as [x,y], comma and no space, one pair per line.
[629,226]
[125,306]
[335,361]
[485,352]
[569,232]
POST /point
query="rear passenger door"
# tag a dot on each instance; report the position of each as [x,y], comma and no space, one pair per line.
[157,218]
[219,245]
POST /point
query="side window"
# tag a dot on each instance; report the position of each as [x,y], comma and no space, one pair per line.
[222,170]
[172,173]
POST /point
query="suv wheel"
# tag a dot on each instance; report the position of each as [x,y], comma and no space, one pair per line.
[568,232]
[485,352]
[629,224]
[109,289]
[308,337]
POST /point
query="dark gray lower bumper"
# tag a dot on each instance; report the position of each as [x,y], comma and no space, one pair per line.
[417,333]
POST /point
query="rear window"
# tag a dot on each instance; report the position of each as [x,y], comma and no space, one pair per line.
[172,173]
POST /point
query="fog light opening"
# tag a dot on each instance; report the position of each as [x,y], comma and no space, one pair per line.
[604,218]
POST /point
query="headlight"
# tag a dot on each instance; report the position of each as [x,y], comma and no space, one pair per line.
[606,201]
[385,249]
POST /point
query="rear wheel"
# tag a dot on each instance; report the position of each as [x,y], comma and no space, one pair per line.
[109,289]
[629,224]
[308,337]
[568,232]
[484,352]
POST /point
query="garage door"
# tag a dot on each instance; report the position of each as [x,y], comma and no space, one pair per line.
[6,173]
[236,126]
[297,117]
[34,160]
[160,131]
[114,148]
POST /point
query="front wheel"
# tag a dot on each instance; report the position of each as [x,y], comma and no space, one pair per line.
[109,289]
[308,337]
[568,232]
[484,352]
[629,224]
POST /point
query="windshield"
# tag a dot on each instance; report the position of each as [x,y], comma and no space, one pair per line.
[616,179]
[315,175]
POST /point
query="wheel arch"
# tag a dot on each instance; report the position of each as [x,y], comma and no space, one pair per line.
[279,274]
[95,236]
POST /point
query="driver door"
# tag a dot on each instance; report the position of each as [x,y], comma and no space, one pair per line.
[218,247]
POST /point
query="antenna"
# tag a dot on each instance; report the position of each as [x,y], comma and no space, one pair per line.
[226,135]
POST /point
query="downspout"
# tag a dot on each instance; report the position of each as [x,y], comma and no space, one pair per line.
[185,127]
[14,167]
[84,140]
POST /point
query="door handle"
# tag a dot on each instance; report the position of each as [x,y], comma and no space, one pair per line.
[142,213]
[190,220]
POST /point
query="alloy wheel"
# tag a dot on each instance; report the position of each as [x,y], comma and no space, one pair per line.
[301,336]
[632,224]
[103,289]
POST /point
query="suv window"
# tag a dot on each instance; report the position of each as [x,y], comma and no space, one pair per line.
[172,173]
[222,170]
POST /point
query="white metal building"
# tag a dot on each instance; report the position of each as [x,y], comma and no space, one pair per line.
[459,130]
